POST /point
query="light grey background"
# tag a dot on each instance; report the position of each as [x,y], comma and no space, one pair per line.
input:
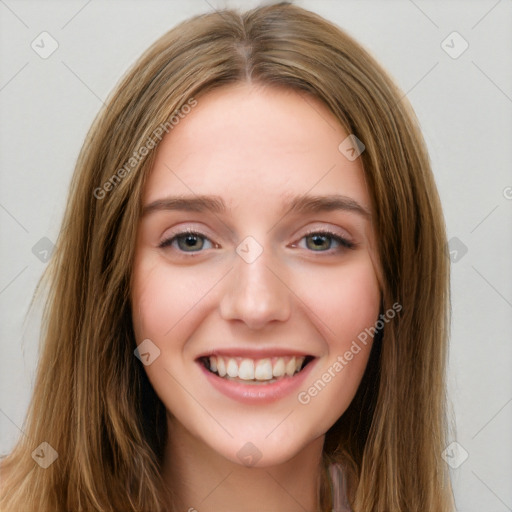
[464,105]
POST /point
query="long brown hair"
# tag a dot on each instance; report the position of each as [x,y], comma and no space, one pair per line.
[92,401]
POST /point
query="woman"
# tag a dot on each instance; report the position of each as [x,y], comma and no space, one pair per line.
[248,299]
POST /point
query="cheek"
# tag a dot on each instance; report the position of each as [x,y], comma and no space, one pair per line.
[345,300]
[166,302]
[163,297]
[345,303]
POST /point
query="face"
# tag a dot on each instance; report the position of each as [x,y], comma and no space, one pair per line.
[254,274]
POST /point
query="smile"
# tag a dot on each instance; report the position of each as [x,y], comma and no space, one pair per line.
[248,370]
[256,380]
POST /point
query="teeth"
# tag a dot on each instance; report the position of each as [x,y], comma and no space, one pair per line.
[263,370]
[232,368]
[260,370]
[278,370]
[246,369]
[290,367]
[221,367]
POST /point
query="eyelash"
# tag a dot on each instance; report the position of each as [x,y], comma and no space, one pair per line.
[343,242]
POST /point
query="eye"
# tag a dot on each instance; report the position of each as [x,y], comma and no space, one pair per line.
[187,241]
[316,241]
[323,241]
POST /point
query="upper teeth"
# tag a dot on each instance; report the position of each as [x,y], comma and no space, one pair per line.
[249,369]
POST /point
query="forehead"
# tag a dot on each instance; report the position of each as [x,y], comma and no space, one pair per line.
[250,144]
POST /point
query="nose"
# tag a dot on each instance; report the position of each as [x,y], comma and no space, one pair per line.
[256,293]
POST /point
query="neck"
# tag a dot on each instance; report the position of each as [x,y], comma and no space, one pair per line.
[204,481]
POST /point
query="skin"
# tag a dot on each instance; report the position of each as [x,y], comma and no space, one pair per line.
[254,147]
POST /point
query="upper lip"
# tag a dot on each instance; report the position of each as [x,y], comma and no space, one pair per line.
[254,353]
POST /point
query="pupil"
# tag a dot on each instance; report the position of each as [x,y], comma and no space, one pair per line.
[319,241]
[190,241]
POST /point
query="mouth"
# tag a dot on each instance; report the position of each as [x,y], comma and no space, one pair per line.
[262,371]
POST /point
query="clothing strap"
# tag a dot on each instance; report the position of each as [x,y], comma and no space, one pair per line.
[338,489]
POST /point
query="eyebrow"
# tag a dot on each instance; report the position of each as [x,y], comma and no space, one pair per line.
[298,204]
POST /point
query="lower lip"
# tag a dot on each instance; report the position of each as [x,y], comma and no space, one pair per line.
[257,393]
